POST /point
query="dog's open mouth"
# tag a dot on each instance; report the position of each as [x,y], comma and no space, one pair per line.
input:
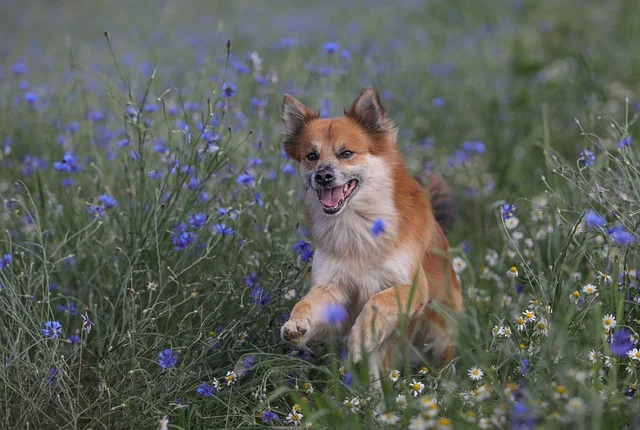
[333,199]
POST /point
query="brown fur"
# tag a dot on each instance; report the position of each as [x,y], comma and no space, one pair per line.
[377,279]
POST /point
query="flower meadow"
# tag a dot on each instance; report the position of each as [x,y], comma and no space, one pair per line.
[152,240]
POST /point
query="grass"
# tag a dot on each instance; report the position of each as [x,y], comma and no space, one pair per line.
[138,192]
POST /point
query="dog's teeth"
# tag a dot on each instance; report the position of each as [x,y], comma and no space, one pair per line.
[345,188]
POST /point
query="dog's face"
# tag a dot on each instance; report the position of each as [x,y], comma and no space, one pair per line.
[338,156]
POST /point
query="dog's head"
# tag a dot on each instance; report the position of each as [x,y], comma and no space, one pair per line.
[339,156]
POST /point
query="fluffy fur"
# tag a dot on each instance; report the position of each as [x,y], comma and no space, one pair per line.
[375,277]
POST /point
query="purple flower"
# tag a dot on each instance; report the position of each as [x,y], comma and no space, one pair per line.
[53,375]
[183,240]
[260,297]
[108,201]
[269,416]
[167,358]
[524,366]
[86,323]
[622,237]
[621,342]
[223,229]
[378,227]
[521,417]
[96,211]
[587,158]
[30,97]
[5,261]
[625,142]
[52,329]
[508,211]
[229,89]
[334,314]
[74,340]
[593,219]
[331,47]
[196,221]
[205,390]
[304,250]
[245,179]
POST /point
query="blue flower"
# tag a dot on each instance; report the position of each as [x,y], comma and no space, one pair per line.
[304,250]
[438,102]
[625,142]
[20,68]
[378,227]
[53,375]
[621,342]
[474,147]
[260,297]
[245,179]
[70,308]
[587,158]
[96,211]
[521,417]
[167,358]
[52,329]
[331,47]
[183,240]
[5,261]
[86,323]
[205,390]
[223,229]
[229,89]
[30,97]
[524,366]
[622,237]
[196,221]
[269,416]
[75,339]
[69,163]
[508,211]
[593,219]
[288,169]
[252,280]
[334,314]
[108,201]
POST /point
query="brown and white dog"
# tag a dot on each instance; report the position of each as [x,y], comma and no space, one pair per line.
[354,176]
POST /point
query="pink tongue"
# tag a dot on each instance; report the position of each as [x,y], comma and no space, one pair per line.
[331,197]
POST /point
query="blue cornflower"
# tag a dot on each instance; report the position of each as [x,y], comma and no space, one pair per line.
[474,147]
[378,227]
[69,163]
[183,240]
[86,323]
[70,308]
[108,201]
[75,339]
[252,280]
[20,68]
[154,174]
[167,358]
[52,329]
[269,416]
[524,366]
[587,158]
[334,314]
[521,417]
[30,97]
[223,229]
[95,115]
[622,237]
[229,89]
[331,47]
[508,210]
[621,342]
[348,379]
[96,211]
[593,219]
[196,221]
[304,250]
[245,179]
[194,183]
[438,102]
[53,375]
[288,169]
[260,297]
[625,142]
[631,390]
[5,261]
[205,390]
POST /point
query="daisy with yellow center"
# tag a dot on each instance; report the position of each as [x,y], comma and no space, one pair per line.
[231,377]
[389,418]
[506,300]
[459,264]
[512,273]
[529,316]
[394,375]
[445,423]
[561,392]
[295,418]
[307,387]
[604,277]
[416,388]
[520,323]
[542,327]
[609,322]
[589,289]
[424,370]
[475,373]
[634,354]
[574,297]
[575,405]
[296,408]
[506,332]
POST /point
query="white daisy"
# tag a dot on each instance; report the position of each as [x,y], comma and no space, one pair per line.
[394,375]
[542,327]
[416,388]
[634,354]
[589,289]
[604,277]
[353,404]
[295,418]
[459,264]
[529,316]
[401,401]
[520,323]
[594,356]
[609,322]
[574,297]
[389,418]
[231,377]
[575,405]
[475,373]
[418,423]
[163,424]
[290,295]
[512,222]
[512,273]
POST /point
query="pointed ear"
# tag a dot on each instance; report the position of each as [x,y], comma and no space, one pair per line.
[367,111]
[295,116]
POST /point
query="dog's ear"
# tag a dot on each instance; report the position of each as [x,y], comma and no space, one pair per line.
[368,112]
[295,116]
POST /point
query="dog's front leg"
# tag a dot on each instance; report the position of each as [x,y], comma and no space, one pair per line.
[307,317]
[380,316]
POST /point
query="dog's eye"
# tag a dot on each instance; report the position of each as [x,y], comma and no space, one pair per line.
[312,156]
[345,154]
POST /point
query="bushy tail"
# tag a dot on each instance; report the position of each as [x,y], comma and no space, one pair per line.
[442,202]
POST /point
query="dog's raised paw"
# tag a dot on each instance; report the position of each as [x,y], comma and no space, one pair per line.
[294,331]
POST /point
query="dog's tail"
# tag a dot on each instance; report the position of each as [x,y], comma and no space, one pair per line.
[442,203]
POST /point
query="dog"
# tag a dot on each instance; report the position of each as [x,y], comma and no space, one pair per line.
[381,252]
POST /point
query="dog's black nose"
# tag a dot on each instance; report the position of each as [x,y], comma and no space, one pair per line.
[324,175]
